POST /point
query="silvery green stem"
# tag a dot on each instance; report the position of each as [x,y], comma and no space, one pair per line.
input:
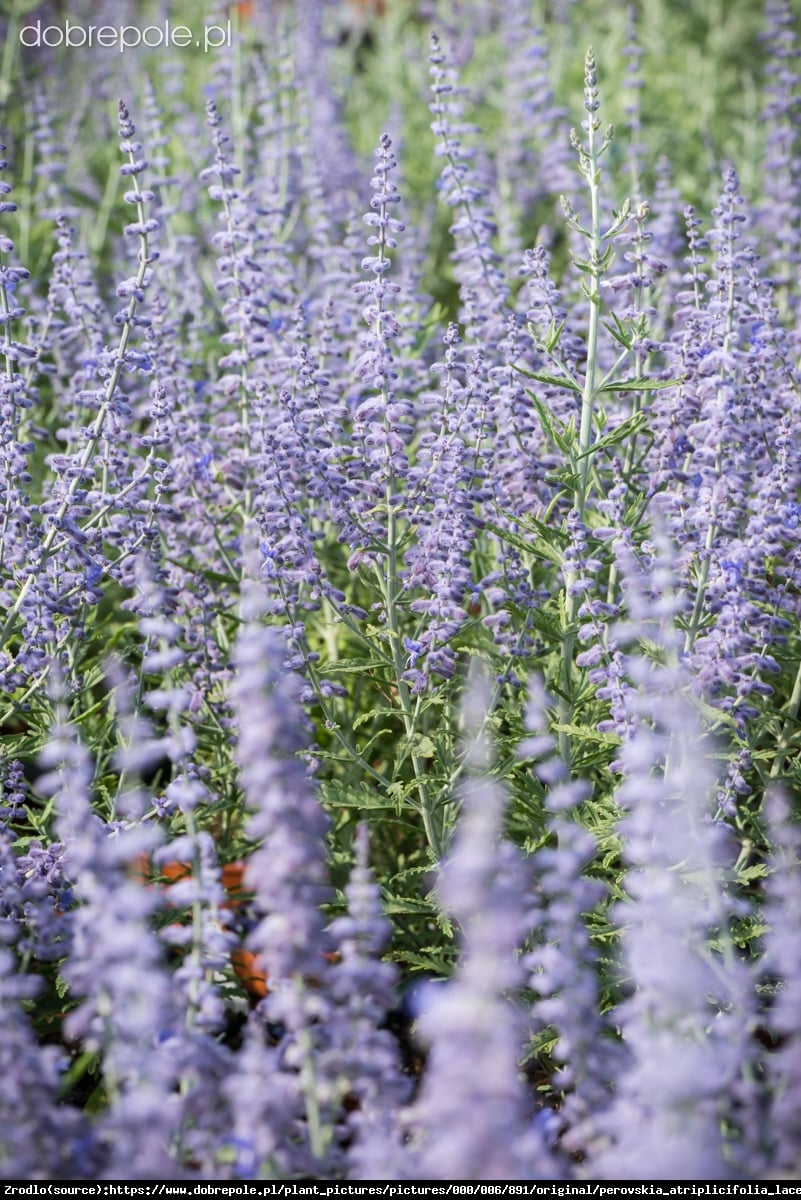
[589,165]
[591,171]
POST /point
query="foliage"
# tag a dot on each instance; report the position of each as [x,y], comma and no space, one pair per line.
[400,630]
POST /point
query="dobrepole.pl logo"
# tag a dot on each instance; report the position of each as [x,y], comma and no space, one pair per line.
[124,37]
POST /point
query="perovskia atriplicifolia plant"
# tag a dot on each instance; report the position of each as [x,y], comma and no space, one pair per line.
[399,573]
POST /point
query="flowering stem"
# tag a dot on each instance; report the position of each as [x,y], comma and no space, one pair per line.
[698,606]
[789,721]
[589,165]
[593,292]
[226,172]
[316,1133]
[109,393]
[712,531]
[196,950]
[387,582]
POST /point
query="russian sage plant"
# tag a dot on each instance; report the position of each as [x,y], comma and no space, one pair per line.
[399,574]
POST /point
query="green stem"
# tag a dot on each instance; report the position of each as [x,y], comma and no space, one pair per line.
[387,583]
[712,531]
[786,732]
[700,594]
[594,297]
[317,1138]
[589,164]
[96,429]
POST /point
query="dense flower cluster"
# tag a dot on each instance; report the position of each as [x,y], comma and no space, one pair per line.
[399,625]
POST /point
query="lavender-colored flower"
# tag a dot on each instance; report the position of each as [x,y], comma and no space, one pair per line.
[19,533]
[288,877]
[115,970]
[532,145]
[382,420]
[360,1057]
[199,1059]
[781,166]
[38,1138]
[781,1126]
[448,484]
[89,506]
[313,63]
[564,964]
[15,789]
[50,162]
[470,1119]
[685,1022]
[287,872]
[47,897]
[483,290]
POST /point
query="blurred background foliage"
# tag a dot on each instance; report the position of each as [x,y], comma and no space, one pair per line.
[703,66]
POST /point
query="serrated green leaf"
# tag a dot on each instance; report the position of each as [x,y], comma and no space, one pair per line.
[550,534]
[544,550]
[396,905]
[403,793]
[355,796]
[619,332]
[420,869]
[424,747]
[545,624]
[588,734]
[354,666]
[560,381]
[757,871]
[568,479]
[436,964]
[552,426]
[630,426]
[639,385]
[364,717]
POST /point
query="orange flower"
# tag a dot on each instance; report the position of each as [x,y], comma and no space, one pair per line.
[247,967]
[250,973]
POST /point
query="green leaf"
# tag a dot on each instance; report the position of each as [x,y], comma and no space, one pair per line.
[640,385]
[397,905]
[560,381]
[547,625]
[355,796]
[364,717]
[619,332]
[553,335]
[401,794]
[631,425]
[424,747]
[587,734]
[549,533]
[583,264]
[563,436]
[422,869]
[85,1064]
[543,550]
[756,871]
[568,479]
[435,963]
[354,665]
